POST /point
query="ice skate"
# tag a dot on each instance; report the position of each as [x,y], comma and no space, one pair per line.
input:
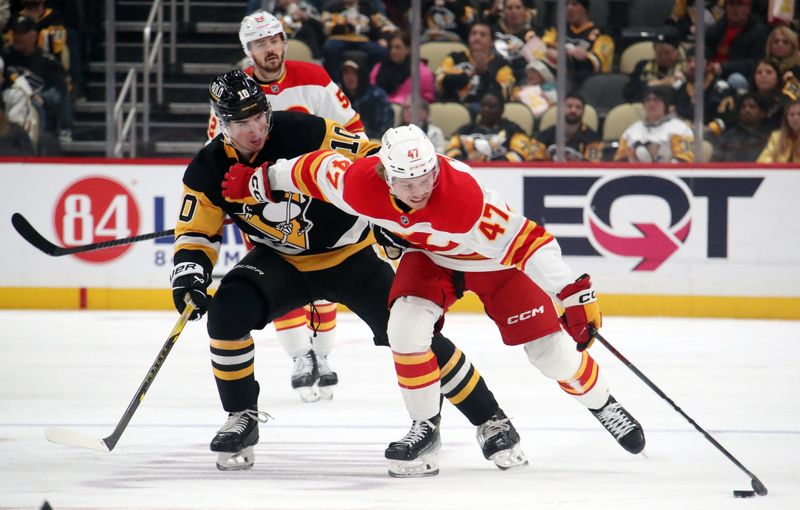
[625,429]
[499,442]
[417,454]
[304,377]
[235,440]
[327,377]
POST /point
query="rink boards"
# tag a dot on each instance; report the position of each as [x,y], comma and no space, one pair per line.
[700,240]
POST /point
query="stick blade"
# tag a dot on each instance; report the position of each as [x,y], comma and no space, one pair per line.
[68,437]
[30,234]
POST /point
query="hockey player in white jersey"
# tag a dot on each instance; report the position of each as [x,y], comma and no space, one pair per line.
[304,87]
[460,236]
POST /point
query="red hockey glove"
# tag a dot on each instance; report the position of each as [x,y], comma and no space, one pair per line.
[581,311]
[245,184]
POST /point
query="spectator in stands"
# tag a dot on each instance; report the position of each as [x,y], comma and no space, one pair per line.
[447,20]
[45,75]
[784,143]
[301,21]
[745,140]
[14,141]
[582,142]
[51,29]
[660,137]
[782,45]
[719,98]
[354,25]
[465,77]
[589,49]
[684,16]
[490,137]
[434,132]
[513,28]
[662,70]
[393,73]
[538,91]
[368,100]
[767,81]
[737,41]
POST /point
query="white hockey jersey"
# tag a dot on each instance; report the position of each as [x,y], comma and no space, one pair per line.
[464,227]
[305,87]
[670,141]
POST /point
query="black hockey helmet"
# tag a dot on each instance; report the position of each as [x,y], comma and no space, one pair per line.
[235,96]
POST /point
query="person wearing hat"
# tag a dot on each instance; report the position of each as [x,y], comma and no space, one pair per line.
[589,49]
[660,137]
[737,41]
[45,74]
[663,69]
[370,101]
[719,98]
[538,91]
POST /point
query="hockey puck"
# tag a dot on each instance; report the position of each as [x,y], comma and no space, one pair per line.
[744,494]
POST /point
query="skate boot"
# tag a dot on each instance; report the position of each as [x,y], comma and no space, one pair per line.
[304,376]
[499,442]
[327,377]
[235,440]
[417,454]
[625,429]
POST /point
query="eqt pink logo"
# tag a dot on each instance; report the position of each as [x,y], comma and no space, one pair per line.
[96,209]
[657,232]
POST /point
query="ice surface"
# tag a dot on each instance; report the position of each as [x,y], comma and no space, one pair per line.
[736,378]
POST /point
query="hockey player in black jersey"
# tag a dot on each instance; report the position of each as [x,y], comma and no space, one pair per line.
[304,250]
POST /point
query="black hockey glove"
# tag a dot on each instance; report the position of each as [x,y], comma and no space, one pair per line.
[191,278]
[393,245]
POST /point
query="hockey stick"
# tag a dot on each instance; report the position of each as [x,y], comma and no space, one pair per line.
[30,234]
[73,438]
[758,487]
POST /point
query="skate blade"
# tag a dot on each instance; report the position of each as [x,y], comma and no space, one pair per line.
[509,459]
[425,465]
[238,461]
[325,392]
[308,393]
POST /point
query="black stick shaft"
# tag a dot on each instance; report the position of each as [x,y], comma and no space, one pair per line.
[30,234]
[675,406]
[111,441]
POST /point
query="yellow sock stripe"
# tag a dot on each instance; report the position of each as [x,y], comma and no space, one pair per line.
[451,363]
[464,393]
[418,381]
[330,307]
[325,326]
[290,323]
[412,359]
[233,376]
[232,345]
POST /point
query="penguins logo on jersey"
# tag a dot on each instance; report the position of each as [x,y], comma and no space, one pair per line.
[283,222]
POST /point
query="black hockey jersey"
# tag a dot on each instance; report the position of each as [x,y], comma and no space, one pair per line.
[308,233]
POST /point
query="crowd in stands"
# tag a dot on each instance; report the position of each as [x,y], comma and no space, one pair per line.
[40,74]
[502,54]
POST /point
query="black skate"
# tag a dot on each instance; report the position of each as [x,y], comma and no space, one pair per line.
[625,429]
[417,454]
[304,377]
[499,442]
[327,377]
[235,440]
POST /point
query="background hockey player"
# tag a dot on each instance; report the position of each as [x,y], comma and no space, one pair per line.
[316,251]
[463,237]
[304,87]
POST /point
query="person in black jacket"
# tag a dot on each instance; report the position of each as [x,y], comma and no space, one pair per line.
[304,250]
[737,41]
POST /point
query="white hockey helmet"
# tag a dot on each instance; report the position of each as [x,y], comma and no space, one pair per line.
[257,26]
[406,152]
